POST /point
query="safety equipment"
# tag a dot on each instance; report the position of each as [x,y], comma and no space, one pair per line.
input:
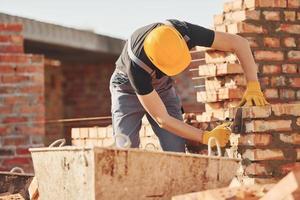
[167,50]
[221,133]
[253,95]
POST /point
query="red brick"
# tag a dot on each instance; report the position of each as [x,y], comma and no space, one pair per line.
[286,168]
[7,69]
[14,78]
[271,15]
[289,15]
[252,112]
[294,55]
[32,89]
[286,109]
[5,110]
[31,109]
[287,94]
[290,138]
[11,100]
[271,42]
[244,27]
[271,93]
[293,3]
[4,130]
[270,125]
[11,27]
[14,119]
[295,82]
[268,55]
[22,151]
[289,28]
[271,69]
[229,93]
[272,3]
[30,69]
[16,161]
[11,39]
[14,58]
[263,154]
[242,15]
[229,68]
[11,49]
[289,42]
[255,139]
[36,130]
[278,81]
[15,140]
[259,169]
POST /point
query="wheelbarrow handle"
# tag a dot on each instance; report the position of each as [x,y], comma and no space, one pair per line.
[59,142]
[217,144]
[15,169]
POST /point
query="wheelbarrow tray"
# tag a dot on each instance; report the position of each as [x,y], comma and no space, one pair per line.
[108,173]
[13,183]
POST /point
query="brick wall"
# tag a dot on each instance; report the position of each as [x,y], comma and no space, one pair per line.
[21,99]
[103,137]
[86,89]
[269,144]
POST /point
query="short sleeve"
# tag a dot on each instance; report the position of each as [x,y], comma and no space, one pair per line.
[200,36]
[139,79]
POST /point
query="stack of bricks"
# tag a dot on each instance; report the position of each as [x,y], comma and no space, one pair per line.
[272,28]
[21,100]
[103,137]
[270,141]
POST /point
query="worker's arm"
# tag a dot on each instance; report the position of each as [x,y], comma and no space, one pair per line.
[156,108]
[240,46]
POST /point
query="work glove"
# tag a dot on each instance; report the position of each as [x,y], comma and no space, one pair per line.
[253,95]
[221,133]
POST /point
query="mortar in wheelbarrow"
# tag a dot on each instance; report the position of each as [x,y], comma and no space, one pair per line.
[109,173]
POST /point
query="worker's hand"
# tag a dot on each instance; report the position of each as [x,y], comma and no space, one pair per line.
[221,133]
[253,95]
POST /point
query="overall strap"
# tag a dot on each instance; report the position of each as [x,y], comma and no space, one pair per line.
[138,61]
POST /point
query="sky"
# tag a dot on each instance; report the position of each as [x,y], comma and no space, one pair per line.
[117,18]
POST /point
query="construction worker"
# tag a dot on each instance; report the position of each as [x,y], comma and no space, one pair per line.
[142,84]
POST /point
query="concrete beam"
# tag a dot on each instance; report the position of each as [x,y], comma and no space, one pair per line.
[64,36]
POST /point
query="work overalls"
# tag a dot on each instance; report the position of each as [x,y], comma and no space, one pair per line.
[127,111]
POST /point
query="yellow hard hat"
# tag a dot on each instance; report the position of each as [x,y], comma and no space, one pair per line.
[167,50]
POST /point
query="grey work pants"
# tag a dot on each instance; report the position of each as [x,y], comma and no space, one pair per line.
[127,114]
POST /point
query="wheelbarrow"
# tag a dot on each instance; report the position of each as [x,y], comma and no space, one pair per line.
[90,173]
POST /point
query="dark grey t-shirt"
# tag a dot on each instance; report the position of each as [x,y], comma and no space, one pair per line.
[141,80]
